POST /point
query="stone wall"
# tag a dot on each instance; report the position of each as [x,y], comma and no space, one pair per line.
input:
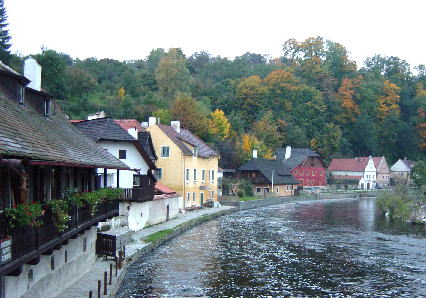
[45,280]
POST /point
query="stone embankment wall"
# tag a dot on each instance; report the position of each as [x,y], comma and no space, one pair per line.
[280,200]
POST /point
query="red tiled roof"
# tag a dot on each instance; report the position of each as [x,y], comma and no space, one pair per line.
[348,164]
[129,123]
[164,189]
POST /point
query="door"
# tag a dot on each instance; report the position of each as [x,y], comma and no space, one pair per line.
[201,199]
[168,213]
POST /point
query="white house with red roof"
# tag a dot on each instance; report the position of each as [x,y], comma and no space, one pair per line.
[363,170]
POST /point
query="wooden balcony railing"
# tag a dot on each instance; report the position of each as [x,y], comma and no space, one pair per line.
[28,243]
[138,194]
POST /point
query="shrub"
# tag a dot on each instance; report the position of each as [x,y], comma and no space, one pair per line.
[240,193]
[397,203]
[61,218]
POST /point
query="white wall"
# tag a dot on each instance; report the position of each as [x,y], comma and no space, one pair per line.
[149,213]
[49,283]
[133,159]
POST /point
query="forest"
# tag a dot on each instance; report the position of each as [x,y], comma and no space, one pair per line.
[313,95]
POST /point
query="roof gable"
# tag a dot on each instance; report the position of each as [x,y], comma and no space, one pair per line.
[186,136]
[103,129]
[297,156]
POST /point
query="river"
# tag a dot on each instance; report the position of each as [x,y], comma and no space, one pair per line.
[330,247]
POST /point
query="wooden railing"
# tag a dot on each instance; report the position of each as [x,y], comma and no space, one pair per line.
[138,194]
[28,243]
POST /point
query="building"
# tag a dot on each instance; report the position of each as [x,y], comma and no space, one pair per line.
[400,171]
[359,171]
[305,165]
[41,156]
[383,172]
[268,176]
[185,163]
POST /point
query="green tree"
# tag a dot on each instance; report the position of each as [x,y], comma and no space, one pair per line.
[164,115]
[172,75]
[5,38]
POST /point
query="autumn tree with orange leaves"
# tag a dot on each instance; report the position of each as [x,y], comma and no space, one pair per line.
[388,103]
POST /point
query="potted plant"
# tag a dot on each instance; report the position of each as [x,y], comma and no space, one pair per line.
[24,215]
[61,217]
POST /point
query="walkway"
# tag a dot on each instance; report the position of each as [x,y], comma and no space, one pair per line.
[89,281]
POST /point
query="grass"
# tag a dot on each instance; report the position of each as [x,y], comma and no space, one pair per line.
[244,199]
[158,235]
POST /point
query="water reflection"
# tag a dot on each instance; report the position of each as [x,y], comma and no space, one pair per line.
[315,248]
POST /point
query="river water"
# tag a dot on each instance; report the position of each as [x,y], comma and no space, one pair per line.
[331,248]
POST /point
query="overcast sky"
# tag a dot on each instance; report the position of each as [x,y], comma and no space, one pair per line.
[129,29]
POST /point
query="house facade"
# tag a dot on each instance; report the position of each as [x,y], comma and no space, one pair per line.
[185,163]
[400,171]
[41,156]
[360,171]
[269,177]
[305,165]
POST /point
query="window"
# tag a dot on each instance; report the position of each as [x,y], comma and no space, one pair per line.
[301,173]
[301,181]
[212,194]
[195,152]
[187,175]
[203,175]
[188,196]
[313,182]
[201,198]
[289,187]
[159,173]
[165,151]
[295,172]
[21,93]
[320,173]
[195,175]
[136,180]
[258,189]
[193,196]
[52,262]
[122,154]
[212,176]
[253,175]
[266,190]
[307,182]
[47,103]
[313,173]
[278,189]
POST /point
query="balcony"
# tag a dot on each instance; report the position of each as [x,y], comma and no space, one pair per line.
[28,242]
[138,194]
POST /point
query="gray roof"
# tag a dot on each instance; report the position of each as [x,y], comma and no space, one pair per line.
[408,163]
[26,133]
[145,140]
[103,129]
[282,175]
[298,155]
[186,136]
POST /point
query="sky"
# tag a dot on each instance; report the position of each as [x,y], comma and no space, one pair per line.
[130,29]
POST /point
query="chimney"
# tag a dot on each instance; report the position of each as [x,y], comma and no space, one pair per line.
[144,124]
[254,153]
[175,125]
[287,152]
[133,132]
[152,121]
[32,71]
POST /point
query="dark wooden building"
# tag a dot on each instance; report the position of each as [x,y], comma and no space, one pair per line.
[41,156]
[268,176]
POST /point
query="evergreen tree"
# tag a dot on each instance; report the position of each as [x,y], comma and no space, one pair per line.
[5,44]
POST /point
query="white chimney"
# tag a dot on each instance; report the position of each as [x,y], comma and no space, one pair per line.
[32,71]
[152,121]
[254,153]
[175,125]
[287,152]
[133,132]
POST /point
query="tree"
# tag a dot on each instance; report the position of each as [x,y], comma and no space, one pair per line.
[244,149]
[171,74]
[267,131]
[388,102]
[220,127]
[350,109]
[418,173]
[164,115]
[251,98]
[5,44]
[186,110]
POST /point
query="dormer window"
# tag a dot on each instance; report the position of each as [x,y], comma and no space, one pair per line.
[47,106]
[21,93]
[195,152]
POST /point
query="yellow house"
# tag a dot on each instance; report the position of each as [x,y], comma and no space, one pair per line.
[185,163]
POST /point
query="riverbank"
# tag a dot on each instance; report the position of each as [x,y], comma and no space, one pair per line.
[143,242]
[264,202]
